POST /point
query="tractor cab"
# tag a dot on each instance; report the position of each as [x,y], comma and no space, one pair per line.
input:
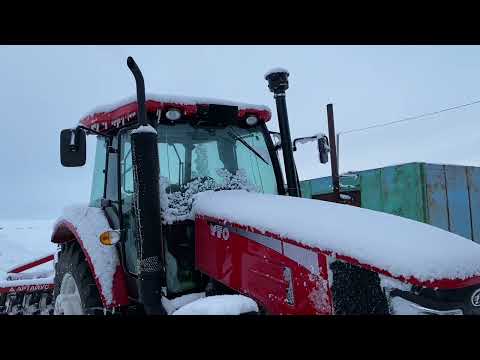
[154,154]
[221,152]
[201,145]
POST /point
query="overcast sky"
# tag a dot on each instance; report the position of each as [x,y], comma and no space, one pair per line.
[44,89]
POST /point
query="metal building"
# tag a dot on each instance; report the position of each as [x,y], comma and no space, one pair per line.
[446,196]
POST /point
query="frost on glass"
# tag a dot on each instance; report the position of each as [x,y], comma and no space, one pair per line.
[177,206]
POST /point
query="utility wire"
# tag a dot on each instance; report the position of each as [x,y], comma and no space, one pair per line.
[395,122]
[410,118]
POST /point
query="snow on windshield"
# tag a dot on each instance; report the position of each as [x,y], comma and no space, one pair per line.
[177,206]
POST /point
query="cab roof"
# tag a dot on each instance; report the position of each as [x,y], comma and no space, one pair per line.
[123,113]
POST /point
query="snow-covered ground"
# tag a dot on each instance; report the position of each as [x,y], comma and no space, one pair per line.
[24,240]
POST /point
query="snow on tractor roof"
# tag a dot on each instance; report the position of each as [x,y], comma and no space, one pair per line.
[401,247]
[122,113]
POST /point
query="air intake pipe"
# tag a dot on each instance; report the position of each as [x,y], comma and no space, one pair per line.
[278,84]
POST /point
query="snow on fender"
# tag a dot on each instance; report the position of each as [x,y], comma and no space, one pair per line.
[219,305]
[86,224]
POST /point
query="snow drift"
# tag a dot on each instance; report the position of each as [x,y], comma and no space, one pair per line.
[219,305]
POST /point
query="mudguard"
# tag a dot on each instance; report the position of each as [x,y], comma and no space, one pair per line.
[84,224]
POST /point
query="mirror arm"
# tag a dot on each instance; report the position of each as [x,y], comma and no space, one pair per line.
[89,131]
[302,138]
[278,146]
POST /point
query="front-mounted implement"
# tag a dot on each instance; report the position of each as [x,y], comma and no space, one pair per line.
[27,292]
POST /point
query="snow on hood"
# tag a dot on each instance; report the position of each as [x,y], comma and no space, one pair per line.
[397,245]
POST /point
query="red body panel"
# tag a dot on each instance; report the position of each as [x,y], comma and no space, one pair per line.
[276,274]
[254,263]
[63,232]
[124,115]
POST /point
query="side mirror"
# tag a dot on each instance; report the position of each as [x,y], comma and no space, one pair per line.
[323,149]
[73,149]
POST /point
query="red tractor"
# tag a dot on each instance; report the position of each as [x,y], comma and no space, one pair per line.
[189,214]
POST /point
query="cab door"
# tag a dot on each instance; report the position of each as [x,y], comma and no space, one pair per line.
[126,194]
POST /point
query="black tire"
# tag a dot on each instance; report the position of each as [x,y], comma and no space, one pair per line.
[71,260]
[3,299]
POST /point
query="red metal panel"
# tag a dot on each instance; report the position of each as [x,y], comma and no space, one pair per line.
[125,114]
[31,264]
[26,288]
[119,287]
[251,262]
[263,276]
[202,233]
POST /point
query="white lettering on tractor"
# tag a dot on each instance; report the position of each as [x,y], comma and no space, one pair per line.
[28,288]
[221,232]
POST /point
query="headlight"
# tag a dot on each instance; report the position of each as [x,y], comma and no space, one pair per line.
[401,306]
[251,120]
[173,114]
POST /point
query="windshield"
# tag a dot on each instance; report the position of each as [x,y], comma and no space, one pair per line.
[194,159]
[188,153]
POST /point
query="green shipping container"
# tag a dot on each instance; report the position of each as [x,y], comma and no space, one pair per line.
[446,196]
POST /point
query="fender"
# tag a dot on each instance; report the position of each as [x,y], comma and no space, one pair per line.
[84,224]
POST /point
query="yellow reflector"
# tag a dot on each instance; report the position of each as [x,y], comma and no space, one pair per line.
[110,237]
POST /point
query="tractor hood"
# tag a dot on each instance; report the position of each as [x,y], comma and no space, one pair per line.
[409,250]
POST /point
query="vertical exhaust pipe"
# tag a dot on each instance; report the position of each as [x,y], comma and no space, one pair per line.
[278,84]
[146,205]
[140,84]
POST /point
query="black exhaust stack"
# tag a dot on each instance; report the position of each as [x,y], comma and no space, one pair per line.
[278,84]
[151,277]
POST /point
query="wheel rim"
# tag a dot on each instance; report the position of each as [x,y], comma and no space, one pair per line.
[68,301]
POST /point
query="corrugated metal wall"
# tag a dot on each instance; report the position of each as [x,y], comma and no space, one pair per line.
[395,190]
[453,198]
[446,196]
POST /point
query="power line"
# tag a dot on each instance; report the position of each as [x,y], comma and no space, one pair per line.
[397,121]
[410,118]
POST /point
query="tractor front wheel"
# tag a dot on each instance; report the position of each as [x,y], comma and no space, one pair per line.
[75,291]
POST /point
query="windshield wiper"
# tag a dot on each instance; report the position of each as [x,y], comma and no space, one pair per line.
[247,145]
